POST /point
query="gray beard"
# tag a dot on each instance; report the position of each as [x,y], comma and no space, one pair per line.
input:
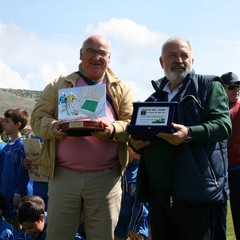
[176,77]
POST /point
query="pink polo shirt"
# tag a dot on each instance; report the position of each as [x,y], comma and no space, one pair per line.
[84,154]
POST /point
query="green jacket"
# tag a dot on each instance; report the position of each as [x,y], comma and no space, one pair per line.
[45,114]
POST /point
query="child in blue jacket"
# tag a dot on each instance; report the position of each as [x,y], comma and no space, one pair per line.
[133,218]
[7,231]
[14,177]
[33,219]
[2,143]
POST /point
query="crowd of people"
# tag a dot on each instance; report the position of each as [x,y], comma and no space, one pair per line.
[108,185]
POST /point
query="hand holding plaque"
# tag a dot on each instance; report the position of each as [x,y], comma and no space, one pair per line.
[150,118]
[80,108]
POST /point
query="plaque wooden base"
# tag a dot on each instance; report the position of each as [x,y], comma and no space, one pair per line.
[82,128]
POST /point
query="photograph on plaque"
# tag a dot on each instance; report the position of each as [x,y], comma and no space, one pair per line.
[150,118]
[80,108]
[32,148]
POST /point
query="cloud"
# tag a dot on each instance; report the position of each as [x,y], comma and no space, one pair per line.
[10,78]
[11,33]
[46,71]
[15,43]
[29,61]
[135,52]
[129,31]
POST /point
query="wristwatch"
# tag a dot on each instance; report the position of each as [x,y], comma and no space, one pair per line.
[190,136]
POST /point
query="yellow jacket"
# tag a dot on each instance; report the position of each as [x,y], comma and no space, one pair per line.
[45,114]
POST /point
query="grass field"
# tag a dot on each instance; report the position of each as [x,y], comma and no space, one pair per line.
[230,230]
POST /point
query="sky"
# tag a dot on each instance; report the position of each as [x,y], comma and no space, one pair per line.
[41,39]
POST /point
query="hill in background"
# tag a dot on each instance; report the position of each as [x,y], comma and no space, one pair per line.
[18,98]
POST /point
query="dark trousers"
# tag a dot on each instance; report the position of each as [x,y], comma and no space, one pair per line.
[179,220]
[220,224]
[234,185]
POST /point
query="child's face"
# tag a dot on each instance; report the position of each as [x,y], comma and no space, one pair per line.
[9,126]
[33,228]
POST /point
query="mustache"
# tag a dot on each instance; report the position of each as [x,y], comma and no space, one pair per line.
[177,65]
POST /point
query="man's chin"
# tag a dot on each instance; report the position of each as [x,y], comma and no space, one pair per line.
[176,75]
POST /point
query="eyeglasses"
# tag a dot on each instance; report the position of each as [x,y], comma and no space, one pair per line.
[92,52]
[233,86]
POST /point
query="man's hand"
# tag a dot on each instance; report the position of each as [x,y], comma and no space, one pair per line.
[135,236]
[176,138]
[16,200]
[138,144]
[106,134]
[57,133]
[27,163]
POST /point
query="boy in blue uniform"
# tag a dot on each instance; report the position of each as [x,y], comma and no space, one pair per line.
[133,218]
[7,231]
[14,178]
[33,219]
[2,143]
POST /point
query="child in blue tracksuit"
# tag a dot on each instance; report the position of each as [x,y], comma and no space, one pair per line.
[2,143]
[14,178]
[33,219]
[133,218]
[7,231]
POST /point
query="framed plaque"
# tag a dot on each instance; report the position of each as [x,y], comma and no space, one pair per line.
[150,118]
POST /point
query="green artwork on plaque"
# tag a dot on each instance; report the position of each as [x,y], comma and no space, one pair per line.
[90,105]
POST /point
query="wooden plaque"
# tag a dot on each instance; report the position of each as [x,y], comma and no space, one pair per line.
[82,128]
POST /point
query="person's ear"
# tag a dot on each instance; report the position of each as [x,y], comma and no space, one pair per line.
[18,124]
[109,57]
[1,212]
[41,218]
[161,61]
[80,54]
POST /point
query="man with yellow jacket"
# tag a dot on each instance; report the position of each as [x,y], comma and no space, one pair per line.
[85,172]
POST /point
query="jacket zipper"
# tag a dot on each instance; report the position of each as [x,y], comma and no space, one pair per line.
[213,175]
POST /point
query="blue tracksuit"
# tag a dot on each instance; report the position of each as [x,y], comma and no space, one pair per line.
[7,231]
[133,214]
[14,178]
[22,235]
[2,145]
